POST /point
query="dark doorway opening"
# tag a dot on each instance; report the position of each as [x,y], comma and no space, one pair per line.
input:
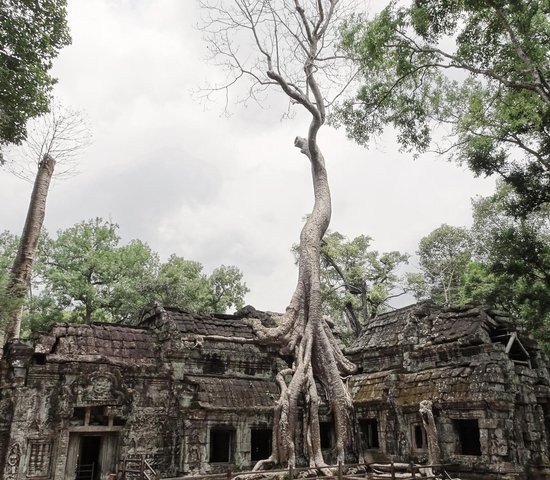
[260,443]
[419,436]
[325,432]
[221,445]
[468,436]
[88,467]
[369,433]
[546,411]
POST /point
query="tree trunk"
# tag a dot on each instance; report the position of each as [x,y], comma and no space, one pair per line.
[303,333]
[22,266]
[434,452]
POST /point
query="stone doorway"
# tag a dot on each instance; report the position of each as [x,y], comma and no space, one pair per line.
[88,466]
[91,456]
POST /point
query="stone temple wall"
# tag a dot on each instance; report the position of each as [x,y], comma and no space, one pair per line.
[195,394]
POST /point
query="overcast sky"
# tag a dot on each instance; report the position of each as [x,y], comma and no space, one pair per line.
[186,179]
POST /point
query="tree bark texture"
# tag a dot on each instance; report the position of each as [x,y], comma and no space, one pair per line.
[304,334]
[22,266]
[434,451]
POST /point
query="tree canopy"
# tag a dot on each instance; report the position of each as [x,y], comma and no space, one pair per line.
[502,261]
[511,267]
[443,256]
[85,274]
[31,36]
[357,282]
[480,70]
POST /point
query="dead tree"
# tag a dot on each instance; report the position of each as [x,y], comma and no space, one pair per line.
[296,42]
[56,138]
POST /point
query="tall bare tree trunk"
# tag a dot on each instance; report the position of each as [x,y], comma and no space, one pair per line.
[22,266]
[304,334]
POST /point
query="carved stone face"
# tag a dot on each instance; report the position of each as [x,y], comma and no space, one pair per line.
[101,387]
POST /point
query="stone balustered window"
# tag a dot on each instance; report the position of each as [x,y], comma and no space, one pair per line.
[39,459]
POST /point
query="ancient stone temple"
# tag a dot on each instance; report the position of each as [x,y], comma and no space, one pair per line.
[194,394]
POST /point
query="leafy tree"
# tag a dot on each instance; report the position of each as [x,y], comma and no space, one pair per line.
[512,264]
[502,261]
[444,255]
[181,283]
[31,35]
[227,288]
[356,282]
[479,69]
[8,249]
[91,276]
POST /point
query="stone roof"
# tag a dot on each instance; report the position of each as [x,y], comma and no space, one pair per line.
[226,393]
[98,343]
[452,384]
[426,323]
[201,324]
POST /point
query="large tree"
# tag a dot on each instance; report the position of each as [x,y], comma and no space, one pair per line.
[357,282]
[87,272]
[444,255]
[480,70]
[182,283]
[295,42]
[502,261]
[31,35]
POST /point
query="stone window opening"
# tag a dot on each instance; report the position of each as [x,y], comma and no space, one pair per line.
[97,416]
[418,436]
[327,434]
[222,445]
[39,459]
[467,431]
[369,433]
[260,443]
[214,365]
[512,346]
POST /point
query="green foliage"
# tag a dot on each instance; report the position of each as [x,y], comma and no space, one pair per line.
[89,275]
[227,288]
[495,110]
[357,282]
[31,35]
[512,270]
[181,283]
[502,261]
[8,250]
[85,275]
[444,255]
